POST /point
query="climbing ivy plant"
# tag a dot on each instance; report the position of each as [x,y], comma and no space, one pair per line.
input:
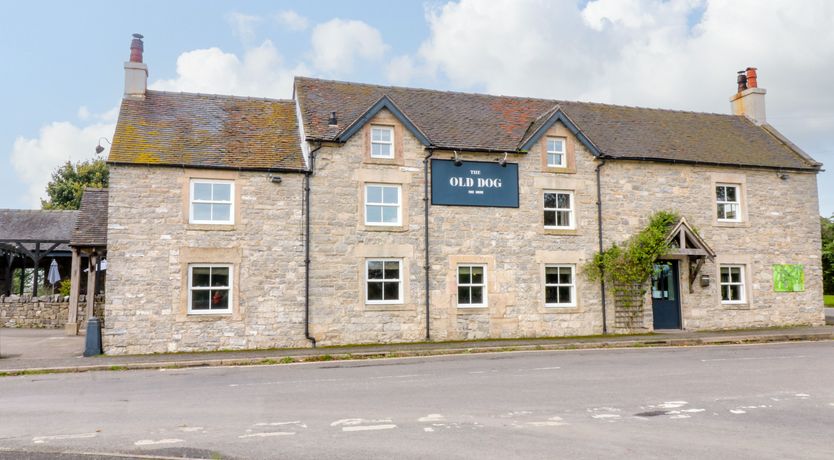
[632,263]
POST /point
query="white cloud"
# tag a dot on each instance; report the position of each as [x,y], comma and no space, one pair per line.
[338,43]
[292,20]
[260,73]
[83,112]
[644,52]
[243,26]
[34,160]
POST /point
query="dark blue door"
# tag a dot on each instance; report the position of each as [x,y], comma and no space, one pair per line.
[666,300]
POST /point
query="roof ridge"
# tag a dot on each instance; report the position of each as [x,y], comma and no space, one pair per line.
[221,96]
[527,98]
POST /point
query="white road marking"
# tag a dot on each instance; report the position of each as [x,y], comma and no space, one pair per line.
[57,437]
[267,434]
[753,358]
[431,418]
[295,422]
[150,442]
[681,416]
[606,416]
[693,410]
[545,368]
[738,411]
[368,427]
[552,421]
[803,395]
[428,429]
[191,429]
[672,404]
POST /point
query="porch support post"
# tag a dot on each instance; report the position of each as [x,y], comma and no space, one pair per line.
[91,284]
[71,328]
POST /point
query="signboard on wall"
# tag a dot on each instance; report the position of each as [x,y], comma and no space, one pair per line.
[788,278]
[474,183]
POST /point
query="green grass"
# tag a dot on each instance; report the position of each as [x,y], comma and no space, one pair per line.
[829,300]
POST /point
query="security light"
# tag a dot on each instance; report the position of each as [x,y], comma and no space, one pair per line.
[99,148]
[458,161]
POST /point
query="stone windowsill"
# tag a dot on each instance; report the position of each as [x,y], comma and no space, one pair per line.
[211,227]
[736,306]
[559,310]
[388,307]
[384,228]
[561,231]
[471,310]
[742,224]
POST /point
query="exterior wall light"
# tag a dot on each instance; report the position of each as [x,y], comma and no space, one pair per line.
[458,161]
[704,280]
[275,179]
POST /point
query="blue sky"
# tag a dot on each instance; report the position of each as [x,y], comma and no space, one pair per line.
[63,61]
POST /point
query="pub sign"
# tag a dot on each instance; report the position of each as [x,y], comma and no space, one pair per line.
[474,183]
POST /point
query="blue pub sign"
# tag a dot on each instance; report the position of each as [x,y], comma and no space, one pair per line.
[474,183]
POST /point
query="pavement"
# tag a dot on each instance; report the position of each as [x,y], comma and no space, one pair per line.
[829,316]
[762,401]
[43,350]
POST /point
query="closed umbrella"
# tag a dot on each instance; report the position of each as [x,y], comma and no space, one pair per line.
[53,277]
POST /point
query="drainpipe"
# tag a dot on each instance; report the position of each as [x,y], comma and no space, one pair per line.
[599,222]
[307,176]
[426,236]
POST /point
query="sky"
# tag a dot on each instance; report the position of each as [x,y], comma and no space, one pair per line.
[63,61]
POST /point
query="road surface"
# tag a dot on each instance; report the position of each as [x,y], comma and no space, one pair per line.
[764,401]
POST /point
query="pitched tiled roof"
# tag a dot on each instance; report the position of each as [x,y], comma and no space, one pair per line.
[35,224]
[182,129]
[454,120]
[91,226]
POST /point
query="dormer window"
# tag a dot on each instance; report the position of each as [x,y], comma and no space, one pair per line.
[382,142]
[556,155]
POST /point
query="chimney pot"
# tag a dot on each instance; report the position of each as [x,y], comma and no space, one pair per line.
[137,47]
[332,121]
[741,80]
[751,78]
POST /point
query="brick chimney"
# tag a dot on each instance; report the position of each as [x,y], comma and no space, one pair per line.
[750,99]
[136,72]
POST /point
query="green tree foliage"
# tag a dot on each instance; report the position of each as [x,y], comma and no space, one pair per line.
[69,180]
[827,231]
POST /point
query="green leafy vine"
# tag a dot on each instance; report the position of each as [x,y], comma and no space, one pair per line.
[632,263]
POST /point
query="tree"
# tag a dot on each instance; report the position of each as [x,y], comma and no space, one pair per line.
[68,182]
[827,231]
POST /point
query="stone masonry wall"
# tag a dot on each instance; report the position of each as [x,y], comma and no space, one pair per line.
[781,226]
[150,244]
[511,242]
[46,312]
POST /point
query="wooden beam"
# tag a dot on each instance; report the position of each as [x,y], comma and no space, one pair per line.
[91,284]
[688,252]
[71,328]
[694,269]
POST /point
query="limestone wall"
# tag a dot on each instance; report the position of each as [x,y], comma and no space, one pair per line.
[45,312]
[780,226]
[511,242]
[150,244]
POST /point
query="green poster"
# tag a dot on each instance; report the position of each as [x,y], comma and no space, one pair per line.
[788,278]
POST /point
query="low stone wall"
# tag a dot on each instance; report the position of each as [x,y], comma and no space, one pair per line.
[46,312]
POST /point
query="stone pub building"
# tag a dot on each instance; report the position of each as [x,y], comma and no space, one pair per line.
[357,213]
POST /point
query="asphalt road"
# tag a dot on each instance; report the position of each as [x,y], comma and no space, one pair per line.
[765,401]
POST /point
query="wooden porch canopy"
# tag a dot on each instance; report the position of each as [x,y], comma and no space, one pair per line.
[33,235]
[684,241]
[89,237]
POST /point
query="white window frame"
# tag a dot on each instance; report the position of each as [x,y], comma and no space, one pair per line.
[572,286]
[192,201]
[384,280]
[737,203]
[229,289]
[571,210]
[398,205]
[554,152]
[390,143]
[742,284]
[470,285]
